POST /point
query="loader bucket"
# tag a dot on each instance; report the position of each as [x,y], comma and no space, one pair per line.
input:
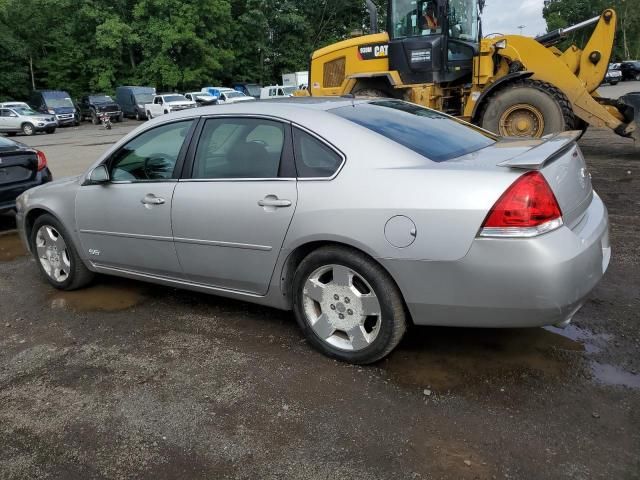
[629,106]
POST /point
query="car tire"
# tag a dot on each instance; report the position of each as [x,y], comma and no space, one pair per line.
[28,129]
[50,130]
[94,118]
[166,111]
[65,271]
[613,83]
[12,134]
[120,118]
[367,319]
[137,115]
[637,77]
[149,116]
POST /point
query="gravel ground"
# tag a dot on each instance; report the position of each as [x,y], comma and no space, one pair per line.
[129,380]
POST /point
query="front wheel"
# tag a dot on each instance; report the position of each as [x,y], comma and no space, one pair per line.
[55,255]
[149,116]
[28,129]
[527,108]
[347,305]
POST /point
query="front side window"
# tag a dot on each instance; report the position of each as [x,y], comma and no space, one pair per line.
[239,148]
[463,20]
[314,159]
[431,134]
[150,156]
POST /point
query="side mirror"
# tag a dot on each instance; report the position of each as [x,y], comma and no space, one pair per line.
[98,175]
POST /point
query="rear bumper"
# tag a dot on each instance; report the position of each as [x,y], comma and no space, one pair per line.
[510,282]
[9,193]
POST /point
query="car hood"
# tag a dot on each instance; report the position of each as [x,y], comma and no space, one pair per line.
[240,99]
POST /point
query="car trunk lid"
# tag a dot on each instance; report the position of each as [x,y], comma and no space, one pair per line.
[17,166]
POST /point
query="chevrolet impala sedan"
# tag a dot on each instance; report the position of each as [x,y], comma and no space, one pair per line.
[362,216]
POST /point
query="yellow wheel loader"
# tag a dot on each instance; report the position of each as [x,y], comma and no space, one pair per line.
[434,54]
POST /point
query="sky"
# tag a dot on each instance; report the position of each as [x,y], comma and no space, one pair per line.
[504,16]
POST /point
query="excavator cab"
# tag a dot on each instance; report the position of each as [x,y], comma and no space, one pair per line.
[433,41]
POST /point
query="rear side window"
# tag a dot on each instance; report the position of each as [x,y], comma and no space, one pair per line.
[427,132]
[314,159]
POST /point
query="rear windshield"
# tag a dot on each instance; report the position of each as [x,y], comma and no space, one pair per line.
[427,132]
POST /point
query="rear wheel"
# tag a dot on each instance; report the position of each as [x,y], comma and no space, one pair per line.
[348,307]
[55,255]
[527,108]
[28,129]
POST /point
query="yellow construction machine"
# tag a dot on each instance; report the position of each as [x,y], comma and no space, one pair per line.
[434,54]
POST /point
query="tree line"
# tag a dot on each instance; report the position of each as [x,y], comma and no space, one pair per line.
[95,45]
[563,13]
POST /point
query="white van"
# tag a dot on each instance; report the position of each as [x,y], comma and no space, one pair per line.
[276,91]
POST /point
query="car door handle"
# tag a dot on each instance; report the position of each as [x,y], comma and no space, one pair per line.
[151,199]
[273,201]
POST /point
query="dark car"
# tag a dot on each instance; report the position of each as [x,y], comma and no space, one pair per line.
[55,102]
[91,106]
[21,168]
[630,70]
[614,75]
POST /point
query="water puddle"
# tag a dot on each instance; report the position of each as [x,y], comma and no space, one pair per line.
[607,374]
[11,247]
[455,358]
[109,296]
[451,359]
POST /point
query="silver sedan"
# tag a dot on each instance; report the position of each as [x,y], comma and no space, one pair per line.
[361,216]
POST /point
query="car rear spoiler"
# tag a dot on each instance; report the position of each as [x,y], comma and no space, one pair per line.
[535,158]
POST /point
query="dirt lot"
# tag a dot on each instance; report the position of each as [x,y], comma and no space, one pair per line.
[128,380]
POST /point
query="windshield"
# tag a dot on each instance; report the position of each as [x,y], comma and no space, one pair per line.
[25,111]
[175,98]
[427,132]
[463,19]
[59,102]
[144,97]
[234,94]
[101,99]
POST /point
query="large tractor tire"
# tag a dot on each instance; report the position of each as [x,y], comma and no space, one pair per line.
[527,108]
[371,92]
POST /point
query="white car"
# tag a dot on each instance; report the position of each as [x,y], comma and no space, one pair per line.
[167,103]
[14,105]
[202,99]
[227,95]
[276,91]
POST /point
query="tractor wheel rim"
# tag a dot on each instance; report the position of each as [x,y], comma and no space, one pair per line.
[522,120]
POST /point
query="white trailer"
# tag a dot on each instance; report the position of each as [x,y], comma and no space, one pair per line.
[295,79]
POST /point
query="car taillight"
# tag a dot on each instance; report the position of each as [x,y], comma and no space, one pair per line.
[528,208]
[42,160]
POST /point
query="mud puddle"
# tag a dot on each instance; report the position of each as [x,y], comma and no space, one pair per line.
[106,296]
[457,359]
[11,247]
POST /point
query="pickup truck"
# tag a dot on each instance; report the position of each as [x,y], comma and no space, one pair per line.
[167,103]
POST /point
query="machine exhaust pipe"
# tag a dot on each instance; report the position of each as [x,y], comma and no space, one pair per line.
[373,16]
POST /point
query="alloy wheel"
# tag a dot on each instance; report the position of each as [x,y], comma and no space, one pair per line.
[53,253]
[341,307]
